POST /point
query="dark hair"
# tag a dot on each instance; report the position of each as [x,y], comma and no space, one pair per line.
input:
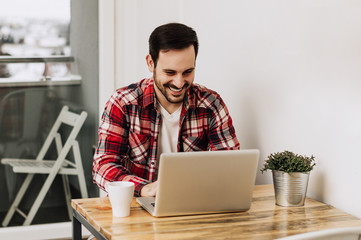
[171,36]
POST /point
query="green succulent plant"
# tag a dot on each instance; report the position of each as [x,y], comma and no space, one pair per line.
[288,162]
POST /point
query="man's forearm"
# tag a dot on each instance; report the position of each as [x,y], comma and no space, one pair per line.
[108,171]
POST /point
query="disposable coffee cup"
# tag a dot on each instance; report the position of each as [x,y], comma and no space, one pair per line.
[120,195]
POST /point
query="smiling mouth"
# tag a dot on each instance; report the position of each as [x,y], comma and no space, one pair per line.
[177,90]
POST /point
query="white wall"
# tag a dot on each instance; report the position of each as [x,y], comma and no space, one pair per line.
[289,71]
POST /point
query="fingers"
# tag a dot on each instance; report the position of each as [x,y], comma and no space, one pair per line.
[149,190]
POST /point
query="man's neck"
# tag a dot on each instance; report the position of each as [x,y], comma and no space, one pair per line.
[170,107]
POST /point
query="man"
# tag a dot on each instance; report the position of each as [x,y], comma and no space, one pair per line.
[166,113]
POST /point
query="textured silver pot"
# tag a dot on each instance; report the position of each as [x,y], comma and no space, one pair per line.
[290,188]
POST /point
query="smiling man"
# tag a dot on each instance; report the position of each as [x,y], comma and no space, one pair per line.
[166,113]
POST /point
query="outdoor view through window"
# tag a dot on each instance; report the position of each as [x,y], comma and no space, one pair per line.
[37,28]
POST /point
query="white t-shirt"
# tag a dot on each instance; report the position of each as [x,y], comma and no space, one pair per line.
[169,129]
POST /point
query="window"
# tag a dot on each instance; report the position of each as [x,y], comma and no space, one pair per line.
[35,46]
[39,29]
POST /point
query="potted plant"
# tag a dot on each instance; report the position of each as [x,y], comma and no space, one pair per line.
[290,176]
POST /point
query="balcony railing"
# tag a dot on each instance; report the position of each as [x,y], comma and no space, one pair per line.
[46,77]
[49,59]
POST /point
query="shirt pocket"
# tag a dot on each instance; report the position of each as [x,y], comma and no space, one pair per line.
[139,147]
[196,142]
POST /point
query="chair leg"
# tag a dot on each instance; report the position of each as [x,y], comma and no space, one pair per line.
[39,199]
[79,166]
[67,195]
[17,200]
[66,185]
[83,190]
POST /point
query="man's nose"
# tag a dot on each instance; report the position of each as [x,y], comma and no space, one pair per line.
[178,81]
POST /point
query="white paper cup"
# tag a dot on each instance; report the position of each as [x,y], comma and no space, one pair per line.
[120,195]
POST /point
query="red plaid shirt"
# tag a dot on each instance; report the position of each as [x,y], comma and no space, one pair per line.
[130,125]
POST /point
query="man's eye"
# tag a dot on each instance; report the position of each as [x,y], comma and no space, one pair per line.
[170,73]
[187,72]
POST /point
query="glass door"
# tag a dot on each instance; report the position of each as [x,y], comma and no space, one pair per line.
[39,75]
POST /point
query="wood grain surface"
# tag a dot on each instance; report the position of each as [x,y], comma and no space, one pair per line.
[264,220]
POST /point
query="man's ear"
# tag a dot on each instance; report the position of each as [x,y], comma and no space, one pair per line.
[150,63]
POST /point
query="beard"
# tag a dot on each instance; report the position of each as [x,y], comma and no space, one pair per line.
[167,95]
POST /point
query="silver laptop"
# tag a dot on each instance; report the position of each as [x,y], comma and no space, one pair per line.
[203,182]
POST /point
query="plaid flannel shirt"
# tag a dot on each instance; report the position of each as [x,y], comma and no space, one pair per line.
[129,130]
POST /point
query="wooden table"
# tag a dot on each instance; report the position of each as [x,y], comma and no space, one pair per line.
[264,220]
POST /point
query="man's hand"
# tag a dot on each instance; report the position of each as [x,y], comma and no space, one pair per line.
[149,190]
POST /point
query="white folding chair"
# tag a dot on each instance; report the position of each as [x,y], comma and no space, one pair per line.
[51,167]
[26,116]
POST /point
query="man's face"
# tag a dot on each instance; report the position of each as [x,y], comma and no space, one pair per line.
[173,75]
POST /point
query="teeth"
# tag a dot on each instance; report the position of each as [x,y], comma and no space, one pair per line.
[175,89]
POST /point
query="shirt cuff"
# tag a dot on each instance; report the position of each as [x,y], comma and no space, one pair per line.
[138,188]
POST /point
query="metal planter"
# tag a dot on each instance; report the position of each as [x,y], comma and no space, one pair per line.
[290,188]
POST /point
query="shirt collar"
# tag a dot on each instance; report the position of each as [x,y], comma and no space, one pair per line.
[148,93]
